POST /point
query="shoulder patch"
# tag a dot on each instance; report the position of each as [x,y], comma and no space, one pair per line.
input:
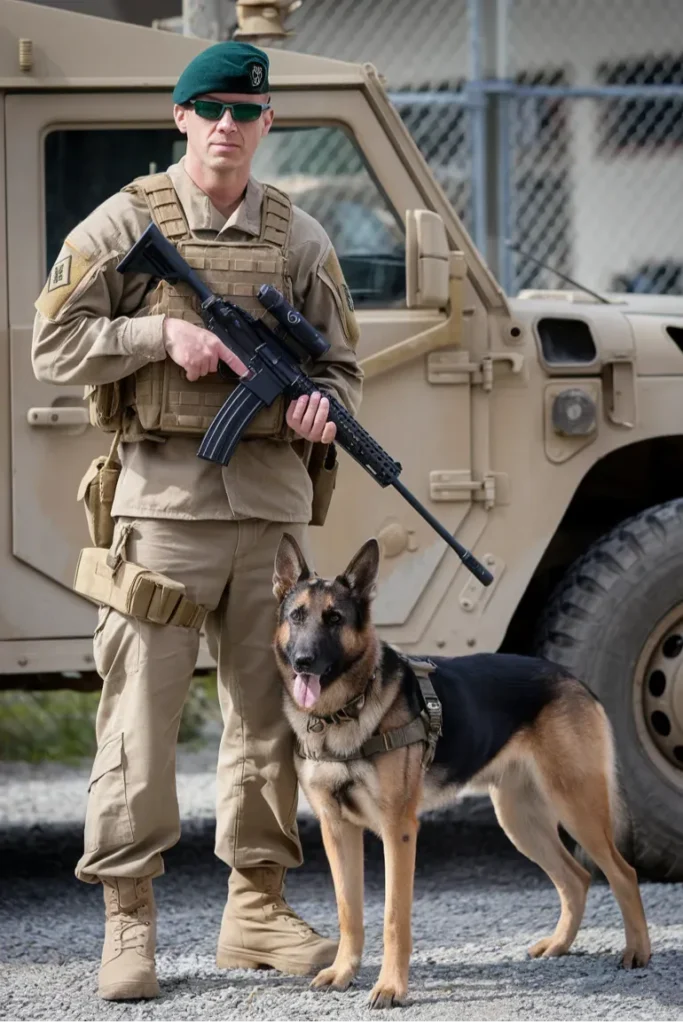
[332,269]
[67,273]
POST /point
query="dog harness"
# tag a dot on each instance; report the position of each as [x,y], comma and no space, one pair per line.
[425,728]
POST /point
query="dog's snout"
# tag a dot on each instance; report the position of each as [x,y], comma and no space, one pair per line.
[303,662]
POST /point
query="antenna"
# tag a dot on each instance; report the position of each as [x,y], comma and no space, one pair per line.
[546,266]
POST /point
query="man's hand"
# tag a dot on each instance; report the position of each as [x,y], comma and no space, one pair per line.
[309,418]
[196,350]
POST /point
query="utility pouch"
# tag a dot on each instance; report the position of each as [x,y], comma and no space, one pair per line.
[106,578]
[322,469]
[96,490]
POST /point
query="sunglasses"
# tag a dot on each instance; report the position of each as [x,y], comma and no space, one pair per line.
[213,110]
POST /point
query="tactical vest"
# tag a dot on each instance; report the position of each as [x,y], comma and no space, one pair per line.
[158,399]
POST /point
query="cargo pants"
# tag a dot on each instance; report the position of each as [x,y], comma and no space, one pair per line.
[132,813]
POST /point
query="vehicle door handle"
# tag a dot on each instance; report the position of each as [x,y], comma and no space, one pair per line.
[58,416]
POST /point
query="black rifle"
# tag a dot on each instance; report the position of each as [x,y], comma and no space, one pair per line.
[273,361]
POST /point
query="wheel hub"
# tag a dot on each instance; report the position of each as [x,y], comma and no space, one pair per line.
[662,688]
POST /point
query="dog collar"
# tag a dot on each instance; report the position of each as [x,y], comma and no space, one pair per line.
[425,728]
[349,713]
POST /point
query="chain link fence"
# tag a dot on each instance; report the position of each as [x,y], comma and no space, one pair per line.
[573,107]
[422,48]
[595,127]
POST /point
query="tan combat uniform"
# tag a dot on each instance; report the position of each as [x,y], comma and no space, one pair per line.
[214,529]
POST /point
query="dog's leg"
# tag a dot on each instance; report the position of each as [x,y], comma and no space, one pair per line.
[344,848]
[529,822]
[399,837]
[576,763]
[584,811]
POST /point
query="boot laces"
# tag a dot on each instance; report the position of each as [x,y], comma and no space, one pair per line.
[132,934]
[283,910]
[130,930]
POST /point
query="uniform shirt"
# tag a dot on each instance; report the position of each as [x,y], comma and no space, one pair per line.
[86,332]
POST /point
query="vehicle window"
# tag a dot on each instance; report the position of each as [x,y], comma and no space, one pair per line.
[323,172]
[83,167]
[320,168]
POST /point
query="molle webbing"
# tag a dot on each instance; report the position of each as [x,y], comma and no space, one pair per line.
[276,217]
[164,206]
[166,402]
[168,215]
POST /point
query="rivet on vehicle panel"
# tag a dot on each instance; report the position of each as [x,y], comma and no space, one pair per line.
[26,54]
[471,641]
[440,643]
[22,661]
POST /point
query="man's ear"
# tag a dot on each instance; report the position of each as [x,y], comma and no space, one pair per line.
[290,566]
[361,573]
[180,117]
[266,121]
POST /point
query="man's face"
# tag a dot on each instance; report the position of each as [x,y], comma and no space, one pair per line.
[223,145]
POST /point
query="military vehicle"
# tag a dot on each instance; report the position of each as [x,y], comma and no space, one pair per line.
[545,429]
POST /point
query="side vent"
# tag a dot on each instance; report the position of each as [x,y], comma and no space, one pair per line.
[566,342]
[676,335]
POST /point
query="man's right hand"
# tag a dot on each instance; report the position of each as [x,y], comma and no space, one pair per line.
[197,350]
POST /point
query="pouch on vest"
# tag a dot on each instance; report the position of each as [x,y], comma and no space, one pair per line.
[96,490]
[105,577]
[322,469]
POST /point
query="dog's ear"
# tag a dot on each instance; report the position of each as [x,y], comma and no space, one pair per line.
[362,571]
[290,566]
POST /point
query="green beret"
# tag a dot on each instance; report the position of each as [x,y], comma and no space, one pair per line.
[224,67]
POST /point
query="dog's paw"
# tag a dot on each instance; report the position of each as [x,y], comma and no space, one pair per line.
[338,978]
[635,958]
[386,994]
[548,947]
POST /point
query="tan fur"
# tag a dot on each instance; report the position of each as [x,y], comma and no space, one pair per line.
[560,769]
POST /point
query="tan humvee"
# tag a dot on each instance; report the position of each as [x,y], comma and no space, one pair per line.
[545,430]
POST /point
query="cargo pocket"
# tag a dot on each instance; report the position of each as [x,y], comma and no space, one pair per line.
[107,820]
[98,646]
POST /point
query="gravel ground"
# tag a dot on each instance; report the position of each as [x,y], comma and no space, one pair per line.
[478,904]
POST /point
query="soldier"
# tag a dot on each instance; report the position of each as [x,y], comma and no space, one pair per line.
[151,372]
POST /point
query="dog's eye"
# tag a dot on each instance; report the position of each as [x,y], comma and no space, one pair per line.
[333,618]
[298,614]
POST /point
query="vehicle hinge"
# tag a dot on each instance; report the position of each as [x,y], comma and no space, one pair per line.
[450,366]
[515,359]
[458,485]
[455,367]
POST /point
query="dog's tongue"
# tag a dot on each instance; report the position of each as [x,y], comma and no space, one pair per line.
[306,689]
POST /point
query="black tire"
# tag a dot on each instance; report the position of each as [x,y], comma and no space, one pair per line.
[597,624]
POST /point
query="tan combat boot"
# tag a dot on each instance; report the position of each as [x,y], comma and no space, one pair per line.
[127,970]
[259,929]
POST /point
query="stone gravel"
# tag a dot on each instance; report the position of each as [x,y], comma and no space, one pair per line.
[478,905]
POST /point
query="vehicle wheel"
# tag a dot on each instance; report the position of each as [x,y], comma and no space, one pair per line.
[616,622]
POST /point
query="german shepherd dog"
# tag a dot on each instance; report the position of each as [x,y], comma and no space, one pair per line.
[518,727]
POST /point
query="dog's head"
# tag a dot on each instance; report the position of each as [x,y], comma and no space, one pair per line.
[324,629]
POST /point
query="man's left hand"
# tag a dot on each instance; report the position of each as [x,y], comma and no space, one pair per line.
[308,418]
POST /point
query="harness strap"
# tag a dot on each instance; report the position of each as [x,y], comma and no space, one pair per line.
[426,728]
[415,732]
